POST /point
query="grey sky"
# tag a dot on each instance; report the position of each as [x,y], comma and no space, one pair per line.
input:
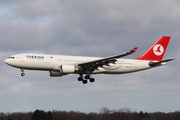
[90,28]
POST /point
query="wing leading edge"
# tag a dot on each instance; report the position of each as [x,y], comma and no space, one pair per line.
[93,65]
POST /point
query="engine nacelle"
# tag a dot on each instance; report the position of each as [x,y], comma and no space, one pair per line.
[66,69]
[55,74]
[63,70]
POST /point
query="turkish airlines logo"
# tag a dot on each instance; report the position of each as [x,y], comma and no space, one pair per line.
[158,49]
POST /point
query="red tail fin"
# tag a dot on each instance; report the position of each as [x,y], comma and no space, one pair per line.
[157,50]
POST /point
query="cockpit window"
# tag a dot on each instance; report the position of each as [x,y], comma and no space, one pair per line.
[11,57]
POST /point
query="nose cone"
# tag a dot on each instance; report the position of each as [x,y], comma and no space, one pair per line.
[7,61]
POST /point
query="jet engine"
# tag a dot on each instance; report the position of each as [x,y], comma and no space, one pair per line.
[66,69]
[63,70]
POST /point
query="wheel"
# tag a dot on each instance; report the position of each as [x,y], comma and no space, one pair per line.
[84,81]
[22,74]
[87,77]
[80,78]
[92,80]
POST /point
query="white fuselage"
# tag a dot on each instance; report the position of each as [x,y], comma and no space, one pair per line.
[47,62]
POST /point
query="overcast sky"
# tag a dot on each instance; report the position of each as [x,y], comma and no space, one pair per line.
[89,28]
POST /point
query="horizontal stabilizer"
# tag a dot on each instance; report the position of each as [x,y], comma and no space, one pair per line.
[154,64]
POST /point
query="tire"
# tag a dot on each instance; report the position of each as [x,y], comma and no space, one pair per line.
[22,74]
[84,81]
[80,79]
[87,77]
[92,80]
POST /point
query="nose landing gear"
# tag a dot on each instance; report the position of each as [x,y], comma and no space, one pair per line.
[22,74]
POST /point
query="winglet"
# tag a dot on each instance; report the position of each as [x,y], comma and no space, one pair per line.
[133,50]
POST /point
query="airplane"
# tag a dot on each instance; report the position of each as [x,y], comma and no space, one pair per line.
[59,65]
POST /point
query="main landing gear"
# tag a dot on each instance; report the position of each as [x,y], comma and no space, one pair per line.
[22,74]
[87,77]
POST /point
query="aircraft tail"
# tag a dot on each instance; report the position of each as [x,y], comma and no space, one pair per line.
[157,50]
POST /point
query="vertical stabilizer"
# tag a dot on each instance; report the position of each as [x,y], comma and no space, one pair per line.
[157,50]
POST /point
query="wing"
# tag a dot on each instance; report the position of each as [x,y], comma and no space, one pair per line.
[93,65]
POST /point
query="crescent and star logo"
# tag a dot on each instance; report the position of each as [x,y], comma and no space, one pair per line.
[158,49]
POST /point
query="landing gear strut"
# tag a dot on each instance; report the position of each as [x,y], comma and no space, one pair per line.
[22,74]
[85,79]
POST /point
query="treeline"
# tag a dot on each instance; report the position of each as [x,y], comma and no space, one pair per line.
[104,114]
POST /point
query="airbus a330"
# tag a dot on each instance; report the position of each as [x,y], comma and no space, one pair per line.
[59,65]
